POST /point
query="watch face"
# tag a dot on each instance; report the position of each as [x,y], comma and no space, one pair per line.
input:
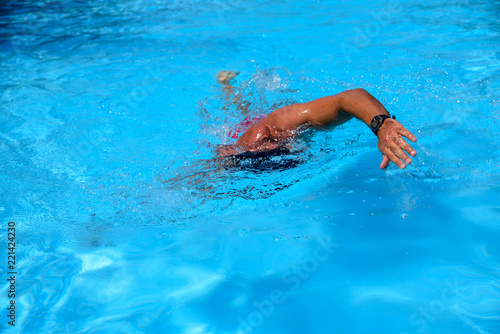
[375,122]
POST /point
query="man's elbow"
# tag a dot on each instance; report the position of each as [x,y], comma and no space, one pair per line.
[358,91]
[356,94]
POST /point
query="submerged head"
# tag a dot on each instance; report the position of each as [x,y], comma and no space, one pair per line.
[227,150]
[258,161]
[223,151]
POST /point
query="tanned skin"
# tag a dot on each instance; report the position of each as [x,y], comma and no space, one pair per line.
[332,110]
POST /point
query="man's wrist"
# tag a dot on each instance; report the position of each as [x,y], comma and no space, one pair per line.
[377,122]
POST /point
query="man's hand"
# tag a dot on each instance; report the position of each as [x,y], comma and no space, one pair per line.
[391,144]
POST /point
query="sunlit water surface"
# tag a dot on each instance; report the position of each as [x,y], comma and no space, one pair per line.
[109,115]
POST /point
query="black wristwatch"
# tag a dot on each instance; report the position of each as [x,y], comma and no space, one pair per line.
[377,122]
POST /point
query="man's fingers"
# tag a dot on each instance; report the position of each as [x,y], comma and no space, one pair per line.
[405,146]
[385,162]
[400,154]
[394,158]
[407,134]
[398,146]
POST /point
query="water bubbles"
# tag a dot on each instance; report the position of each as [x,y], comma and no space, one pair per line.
[242,231]
[321,217]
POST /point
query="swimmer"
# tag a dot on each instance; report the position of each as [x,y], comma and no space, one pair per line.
[270,132]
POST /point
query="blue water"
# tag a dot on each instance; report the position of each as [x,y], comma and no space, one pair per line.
[109,114]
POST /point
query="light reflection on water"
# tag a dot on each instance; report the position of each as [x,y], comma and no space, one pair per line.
[101,102]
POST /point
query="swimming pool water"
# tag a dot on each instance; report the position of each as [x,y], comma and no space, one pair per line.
[124,224]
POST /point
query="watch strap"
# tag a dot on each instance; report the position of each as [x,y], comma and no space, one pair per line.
[377,122]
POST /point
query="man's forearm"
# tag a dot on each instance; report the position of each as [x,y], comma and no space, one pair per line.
[333,109]
[361,104]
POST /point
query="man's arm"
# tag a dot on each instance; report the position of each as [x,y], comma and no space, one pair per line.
[336,109]
[362,105]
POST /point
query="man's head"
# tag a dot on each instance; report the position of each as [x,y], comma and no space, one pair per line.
[258,161]
[227,150]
